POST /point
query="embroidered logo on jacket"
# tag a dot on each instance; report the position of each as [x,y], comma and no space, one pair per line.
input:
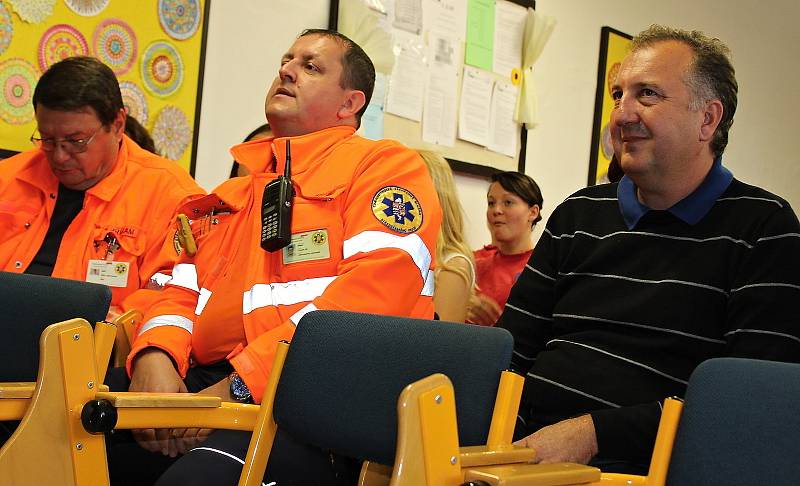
[398,209]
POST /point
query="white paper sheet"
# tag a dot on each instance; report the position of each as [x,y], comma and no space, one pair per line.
[372,120]
[502,127]
[447,17]
[509,27]
[407,84]
[408,16]
[476,97]
[439,113]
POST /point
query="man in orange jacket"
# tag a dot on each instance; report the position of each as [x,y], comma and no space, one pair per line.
[88,203]
[363,235]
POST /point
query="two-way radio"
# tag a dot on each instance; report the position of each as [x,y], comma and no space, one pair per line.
[276,209]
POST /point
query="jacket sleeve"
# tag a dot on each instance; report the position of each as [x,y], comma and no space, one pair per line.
[383,271]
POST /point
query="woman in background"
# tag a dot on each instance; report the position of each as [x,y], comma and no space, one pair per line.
[514,202]
[454,276]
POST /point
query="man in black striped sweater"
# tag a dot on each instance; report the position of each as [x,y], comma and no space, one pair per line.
[633,284]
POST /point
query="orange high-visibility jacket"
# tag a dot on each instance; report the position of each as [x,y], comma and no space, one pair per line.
[365,222]
[136,203]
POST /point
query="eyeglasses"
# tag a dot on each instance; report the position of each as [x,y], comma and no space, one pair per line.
[70,145]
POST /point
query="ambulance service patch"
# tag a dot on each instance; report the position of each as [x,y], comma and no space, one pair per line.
[397,209]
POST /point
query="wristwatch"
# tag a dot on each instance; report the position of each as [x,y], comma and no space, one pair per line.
[239,390]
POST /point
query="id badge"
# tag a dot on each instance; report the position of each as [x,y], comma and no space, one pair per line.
[307,246]
[111,273]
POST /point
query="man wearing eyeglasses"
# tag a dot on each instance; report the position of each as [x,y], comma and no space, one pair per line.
[87,203]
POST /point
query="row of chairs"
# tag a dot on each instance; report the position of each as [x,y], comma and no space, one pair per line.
[421,402]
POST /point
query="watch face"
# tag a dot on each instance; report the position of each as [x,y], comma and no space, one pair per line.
[239,389]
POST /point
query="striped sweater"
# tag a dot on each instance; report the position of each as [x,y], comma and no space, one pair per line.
[619,304]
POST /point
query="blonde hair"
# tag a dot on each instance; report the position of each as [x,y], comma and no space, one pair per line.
[451,234]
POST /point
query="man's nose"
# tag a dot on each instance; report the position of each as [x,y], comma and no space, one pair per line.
[286,71]
[625,111]
[59,154]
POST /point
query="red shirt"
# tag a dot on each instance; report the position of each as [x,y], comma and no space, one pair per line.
[496,272]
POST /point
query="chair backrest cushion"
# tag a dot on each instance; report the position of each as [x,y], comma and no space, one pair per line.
[344,372]
[740,425]
[30,303]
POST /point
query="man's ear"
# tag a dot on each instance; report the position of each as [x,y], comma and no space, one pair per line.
[118,125]
[712,115]
[354,101]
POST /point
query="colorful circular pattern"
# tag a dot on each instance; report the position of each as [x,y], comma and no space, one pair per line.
[179,18]
[6,28]
[162,68]
[33,11]
[114,43]
[87,8]
[17,79]
[171,132]
[135,101]
[60,42]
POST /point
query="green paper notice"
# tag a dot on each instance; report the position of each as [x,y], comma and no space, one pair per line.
[480,33]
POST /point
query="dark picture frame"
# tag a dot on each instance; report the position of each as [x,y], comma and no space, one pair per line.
[462,166]
[613,47]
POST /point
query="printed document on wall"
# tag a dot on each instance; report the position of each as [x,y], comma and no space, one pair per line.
[476,97]
[509,29]
[502,127]
[439,114]
[407,83]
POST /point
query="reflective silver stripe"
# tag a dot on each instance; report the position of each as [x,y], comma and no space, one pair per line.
[185,275]
[161,279]
[202,300]
[574,390]
[263,295]
[427,289]
[299,314]
[377,240]
[167,320]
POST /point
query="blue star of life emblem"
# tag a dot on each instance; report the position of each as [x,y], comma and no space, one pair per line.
[398,208]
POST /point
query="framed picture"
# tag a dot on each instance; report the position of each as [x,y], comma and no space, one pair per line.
[614,45]
[156,49]
[393,33]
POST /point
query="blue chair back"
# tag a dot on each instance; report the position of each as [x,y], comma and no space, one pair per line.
[344,373]
[740,425]
[30,303]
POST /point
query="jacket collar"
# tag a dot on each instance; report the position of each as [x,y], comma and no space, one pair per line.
[690,209]
[307,149]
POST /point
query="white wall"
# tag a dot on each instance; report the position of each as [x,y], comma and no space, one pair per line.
[247,38]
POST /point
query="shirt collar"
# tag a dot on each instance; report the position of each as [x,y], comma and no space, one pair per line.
[690,209]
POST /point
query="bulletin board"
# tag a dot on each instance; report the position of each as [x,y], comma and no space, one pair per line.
[456,73]
[156,48]
[614,46]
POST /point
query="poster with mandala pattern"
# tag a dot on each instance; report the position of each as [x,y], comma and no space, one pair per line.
[87,8]
[33,11]
[162,68]
[179,18]
[17,80]
[6,28]
[114,43]
[171,132]
[154,47]
[135,101]
[60,42]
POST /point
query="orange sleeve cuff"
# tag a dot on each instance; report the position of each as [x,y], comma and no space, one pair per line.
[173,341]
[254,362]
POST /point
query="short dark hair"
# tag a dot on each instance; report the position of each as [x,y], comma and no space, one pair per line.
[711,75]
[358,71]
[523,186]
[77,82]
[139,134]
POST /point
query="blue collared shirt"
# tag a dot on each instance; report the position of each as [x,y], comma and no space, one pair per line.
[690,209]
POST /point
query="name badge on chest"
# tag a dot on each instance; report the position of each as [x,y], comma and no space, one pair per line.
[106,272]
[307,246]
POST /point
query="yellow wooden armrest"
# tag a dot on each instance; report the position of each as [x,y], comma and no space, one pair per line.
[533,474]
[17,389]
[503,454]
[164,400]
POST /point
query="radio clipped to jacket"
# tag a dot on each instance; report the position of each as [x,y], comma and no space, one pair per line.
[276,209]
